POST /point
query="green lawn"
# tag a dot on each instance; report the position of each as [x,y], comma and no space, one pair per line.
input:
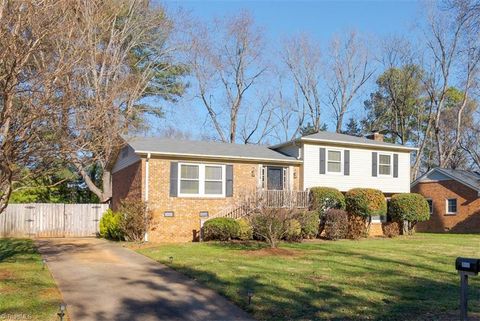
[408,278]
[26,291]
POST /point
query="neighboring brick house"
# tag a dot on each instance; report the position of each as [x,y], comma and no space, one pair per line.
[454,199]
[184,182]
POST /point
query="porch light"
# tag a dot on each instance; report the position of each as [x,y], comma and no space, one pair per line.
[62,308]
[253,172]
[295,173]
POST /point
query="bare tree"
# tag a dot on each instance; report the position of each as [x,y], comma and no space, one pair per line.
[455,57]
[29,69]
[301,55]
[349,69]
[123,58]
[226,61]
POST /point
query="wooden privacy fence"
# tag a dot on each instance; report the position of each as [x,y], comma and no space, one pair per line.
[51,220]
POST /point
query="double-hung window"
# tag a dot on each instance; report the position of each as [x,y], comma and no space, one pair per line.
[202,180]
[452,206]
[385,164]
[334,161]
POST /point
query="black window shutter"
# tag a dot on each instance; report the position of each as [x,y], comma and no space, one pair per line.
[346,162]
[374,163]
[395,165]
[229,181]
[322,160]
[173,179]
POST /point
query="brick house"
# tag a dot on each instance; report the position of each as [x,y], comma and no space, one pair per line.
[454,199]
[186,182]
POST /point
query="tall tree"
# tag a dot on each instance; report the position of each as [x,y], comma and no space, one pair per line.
[29,69]
[123,64]
[349,68]
[226,61]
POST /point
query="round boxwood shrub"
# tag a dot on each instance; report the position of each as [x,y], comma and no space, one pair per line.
[293,232]
[309,222]
[110,226]
[410,207]
[324,198]
[221,229]
[336,224]
[365,202]
[245,230]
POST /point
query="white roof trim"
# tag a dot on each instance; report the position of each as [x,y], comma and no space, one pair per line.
[327,141]
[294,161]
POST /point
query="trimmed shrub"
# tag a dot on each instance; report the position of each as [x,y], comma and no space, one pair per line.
[271,224]
[357,227]
[365,202]
[391,229]
[293,231]
[134,219]
[336,224]
[110,226]
[221,229]
[324,198]
[410,207]
[245,229]
[309,221]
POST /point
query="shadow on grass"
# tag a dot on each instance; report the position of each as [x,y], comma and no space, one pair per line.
[238,245]
[10,248]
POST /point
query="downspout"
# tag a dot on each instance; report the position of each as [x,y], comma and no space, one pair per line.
[147,168]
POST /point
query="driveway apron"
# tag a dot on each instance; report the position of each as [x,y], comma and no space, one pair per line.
[101,280]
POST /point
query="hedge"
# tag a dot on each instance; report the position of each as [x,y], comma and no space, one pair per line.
[221,229]
[245,229]
[309,221]
[365,202]
[336,224]
[293,232]
[324,198]
[411,207]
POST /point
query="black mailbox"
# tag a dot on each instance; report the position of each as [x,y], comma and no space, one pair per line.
[467,265]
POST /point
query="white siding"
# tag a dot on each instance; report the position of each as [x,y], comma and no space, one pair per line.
[126,157]
[360,171]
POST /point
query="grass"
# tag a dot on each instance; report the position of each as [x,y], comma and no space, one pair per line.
[407,278]
[27,292]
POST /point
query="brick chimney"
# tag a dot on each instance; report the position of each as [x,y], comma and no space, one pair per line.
[376,136]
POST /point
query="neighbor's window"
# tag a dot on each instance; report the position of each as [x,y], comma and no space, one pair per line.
[384,164]
[202,180]
[334,161]
[452,206]
[430,205]
[213,180]
[189,179]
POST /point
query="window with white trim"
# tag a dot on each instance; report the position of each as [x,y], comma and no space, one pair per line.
[385,164]
[334,161]
[202,180]
[451,206]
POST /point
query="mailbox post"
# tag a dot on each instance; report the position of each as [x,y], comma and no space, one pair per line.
[466,267]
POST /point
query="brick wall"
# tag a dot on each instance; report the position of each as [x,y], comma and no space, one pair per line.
[184,226]
[467,219]
[127,183]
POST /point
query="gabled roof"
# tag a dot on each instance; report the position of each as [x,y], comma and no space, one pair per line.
[468,178]
[205,149]
[329,137]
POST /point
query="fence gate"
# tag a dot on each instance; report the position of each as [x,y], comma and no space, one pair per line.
[51,220]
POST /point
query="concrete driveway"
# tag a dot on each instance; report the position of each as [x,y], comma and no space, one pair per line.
[100,280]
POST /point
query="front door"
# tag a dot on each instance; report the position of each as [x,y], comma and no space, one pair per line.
[275,178]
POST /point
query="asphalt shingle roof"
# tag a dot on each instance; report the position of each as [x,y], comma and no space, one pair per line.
[205,148]
[336,137]
[467,177]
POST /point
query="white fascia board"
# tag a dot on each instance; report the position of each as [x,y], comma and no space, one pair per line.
[222,157]
[344,143]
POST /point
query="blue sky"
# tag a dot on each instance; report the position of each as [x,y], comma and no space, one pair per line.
[279,19]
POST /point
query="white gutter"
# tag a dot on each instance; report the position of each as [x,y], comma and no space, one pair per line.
[183,155]
[378,146]
[147,172]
